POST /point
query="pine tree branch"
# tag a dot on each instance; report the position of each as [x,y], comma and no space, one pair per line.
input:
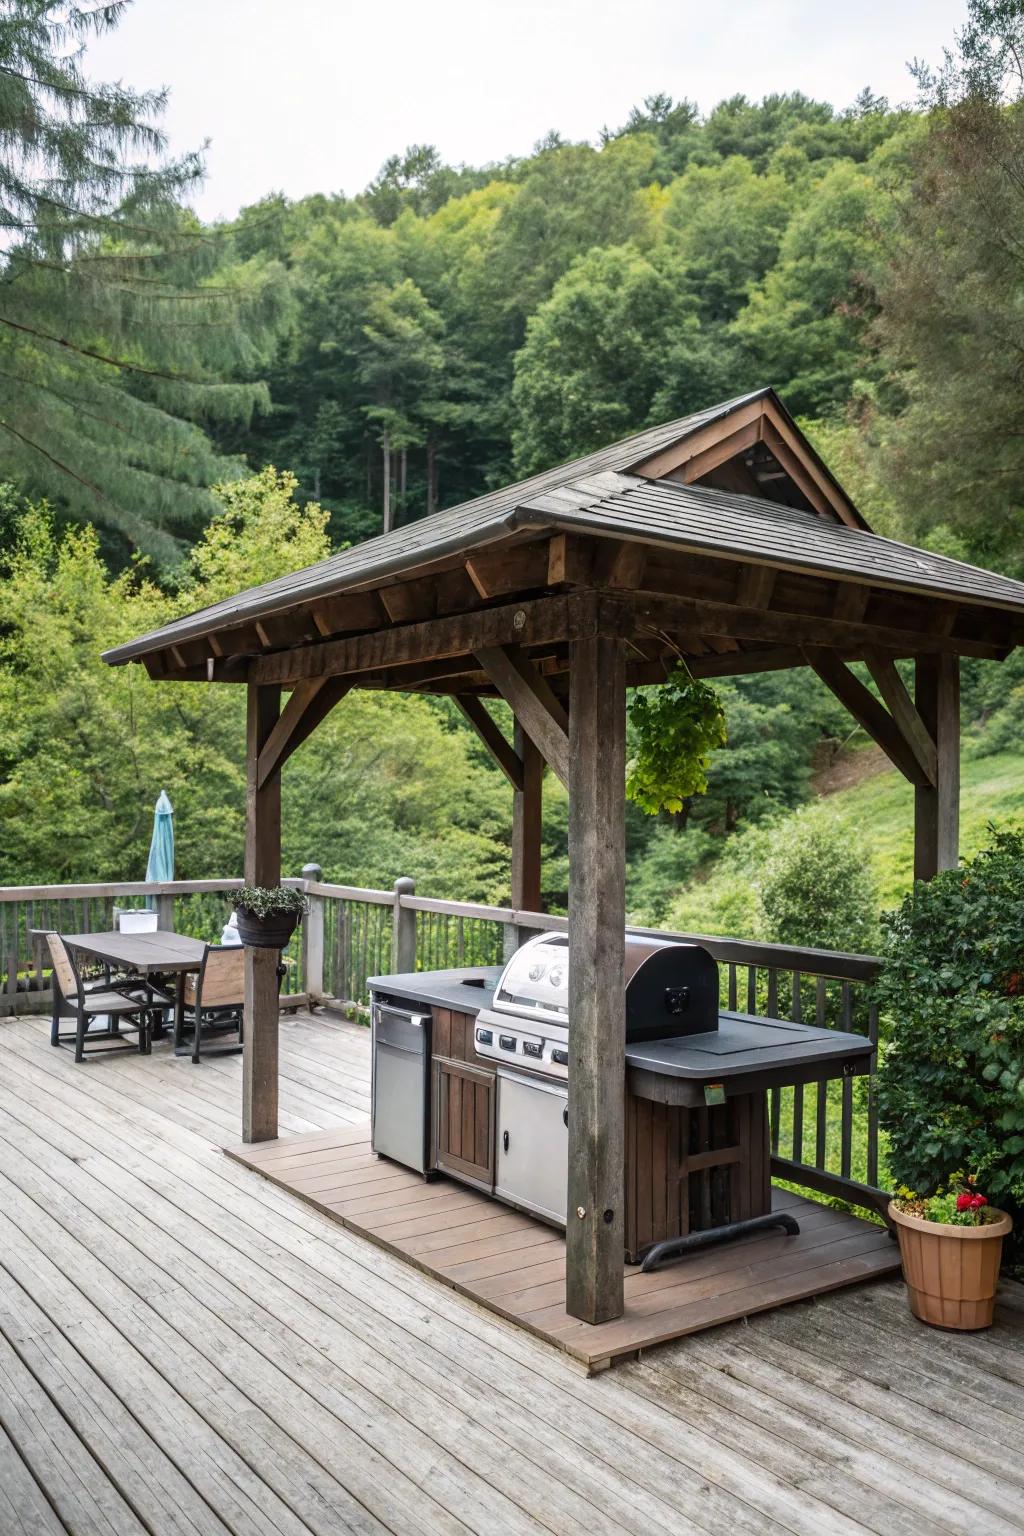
[65,469]
[101,357]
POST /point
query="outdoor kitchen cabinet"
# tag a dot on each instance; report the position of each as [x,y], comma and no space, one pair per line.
[463,1102]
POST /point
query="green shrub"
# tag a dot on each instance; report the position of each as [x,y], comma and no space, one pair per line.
[951,1084]
[817,887]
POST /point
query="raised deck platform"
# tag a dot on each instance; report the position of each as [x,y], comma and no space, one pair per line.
[188,1350]
[514,1264]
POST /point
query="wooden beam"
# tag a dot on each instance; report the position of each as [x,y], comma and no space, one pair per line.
[570,561]
[595,1230]
[508,760]
[532,702]
[620,564]
[309,704]
[835,497]
[773,627]
[663,463]
[533,621]
[798,470]
[527,809]
[937,807]
[262,867]
[348,613]
[867,711]
[755,585]
[717,454]
[509,568]
[901,706]
[851,602]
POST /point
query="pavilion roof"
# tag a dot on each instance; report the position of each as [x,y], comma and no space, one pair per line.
[601,495]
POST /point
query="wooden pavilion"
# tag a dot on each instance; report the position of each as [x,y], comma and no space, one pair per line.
[721,536]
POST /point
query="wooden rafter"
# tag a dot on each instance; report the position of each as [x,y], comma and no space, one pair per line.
[309,704]
[506,757]
[532,701]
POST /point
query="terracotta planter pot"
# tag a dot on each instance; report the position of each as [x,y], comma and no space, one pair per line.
[272,932]
[951,1272]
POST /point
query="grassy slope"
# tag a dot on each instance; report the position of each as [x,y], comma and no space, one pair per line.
[881,812]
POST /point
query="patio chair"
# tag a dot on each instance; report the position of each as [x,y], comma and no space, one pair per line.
[127,1006]
[214,998]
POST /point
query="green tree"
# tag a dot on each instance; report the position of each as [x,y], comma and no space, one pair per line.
[804,324]
[119,320]
[595,356]
[817,888]
[951,290]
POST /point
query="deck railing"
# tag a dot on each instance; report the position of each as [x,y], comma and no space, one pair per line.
[825,1139]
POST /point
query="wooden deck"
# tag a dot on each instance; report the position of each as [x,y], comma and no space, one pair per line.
[515,1265]
[186,1348]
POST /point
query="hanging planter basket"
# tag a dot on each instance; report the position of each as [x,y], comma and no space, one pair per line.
[267,917]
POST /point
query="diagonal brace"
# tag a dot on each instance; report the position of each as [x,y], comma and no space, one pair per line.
[529,696]
[309,704]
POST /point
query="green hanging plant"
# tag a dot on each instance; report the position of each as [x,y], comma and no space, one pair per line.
[676,728]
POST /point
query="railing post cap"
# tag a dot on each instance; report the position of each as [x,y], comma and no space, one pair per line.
[311,871]
[405,885]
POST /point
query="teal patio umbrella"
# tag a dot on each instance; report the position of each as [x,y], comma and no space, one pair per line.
[161,847]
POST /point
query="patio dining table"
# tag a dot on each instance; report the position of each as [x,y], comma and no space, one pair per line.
[160,953]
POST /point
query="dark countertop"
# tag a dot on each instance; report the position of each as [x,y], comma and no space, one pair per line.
[741,1044]
[466,989]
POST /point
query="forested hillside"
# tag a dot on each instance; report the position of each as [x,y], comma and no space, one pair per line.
[443,331]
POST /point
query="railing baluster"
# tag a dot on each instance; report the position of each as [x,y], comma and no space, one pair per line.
[732,986]
[872,1168]
[821,1122]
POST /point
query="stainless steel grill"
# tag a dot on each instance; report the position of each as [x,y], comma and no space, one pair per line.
[671,990]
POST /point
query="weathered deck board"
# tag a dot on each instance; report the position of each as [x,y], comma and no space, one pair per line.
[447,1229]
[186,1346]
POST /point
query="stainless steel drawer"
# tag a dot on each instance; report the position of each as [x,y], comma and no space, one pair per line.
[405,1031]
[532,1167]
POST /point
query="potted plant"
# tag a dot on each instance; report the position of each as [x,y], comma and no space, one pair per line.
[268,915]
[951,1244]
[951,999]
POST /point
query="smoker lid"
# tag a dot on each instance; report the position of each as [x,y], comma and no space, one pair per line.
[535,982]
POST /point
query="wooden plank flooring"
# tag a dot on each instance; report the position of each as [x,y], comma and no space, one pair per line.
[187,1348]
[515,1265]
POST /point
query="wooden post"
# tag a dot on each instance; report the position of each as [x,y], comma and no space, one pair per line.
[937,809]
[165,912]
[403,941]
[595,1233]
[313,938]
[527,805]
[262,867]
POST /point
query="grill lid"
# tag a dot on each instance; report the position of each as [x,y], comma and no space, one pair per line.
[671,986]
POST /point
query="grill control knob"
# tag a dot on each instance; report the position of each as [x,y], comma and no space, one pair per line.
[555,975]
[507,1042]
[484,1037]
[537,970]
[561,1057]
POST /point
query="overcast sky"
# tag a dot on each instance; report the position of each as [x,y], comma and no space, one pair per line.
[311,95]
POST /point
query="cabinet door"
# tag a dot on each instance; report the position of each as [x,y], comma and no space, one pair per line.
[464,1121]
[533,1144]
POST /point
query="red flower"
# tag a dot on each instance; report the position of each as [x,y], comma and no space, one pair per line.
[977,1201]
[964,1202]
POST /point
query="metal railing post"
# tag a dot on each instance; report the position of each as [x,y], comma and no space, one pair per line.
[403,932]
[312,940]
